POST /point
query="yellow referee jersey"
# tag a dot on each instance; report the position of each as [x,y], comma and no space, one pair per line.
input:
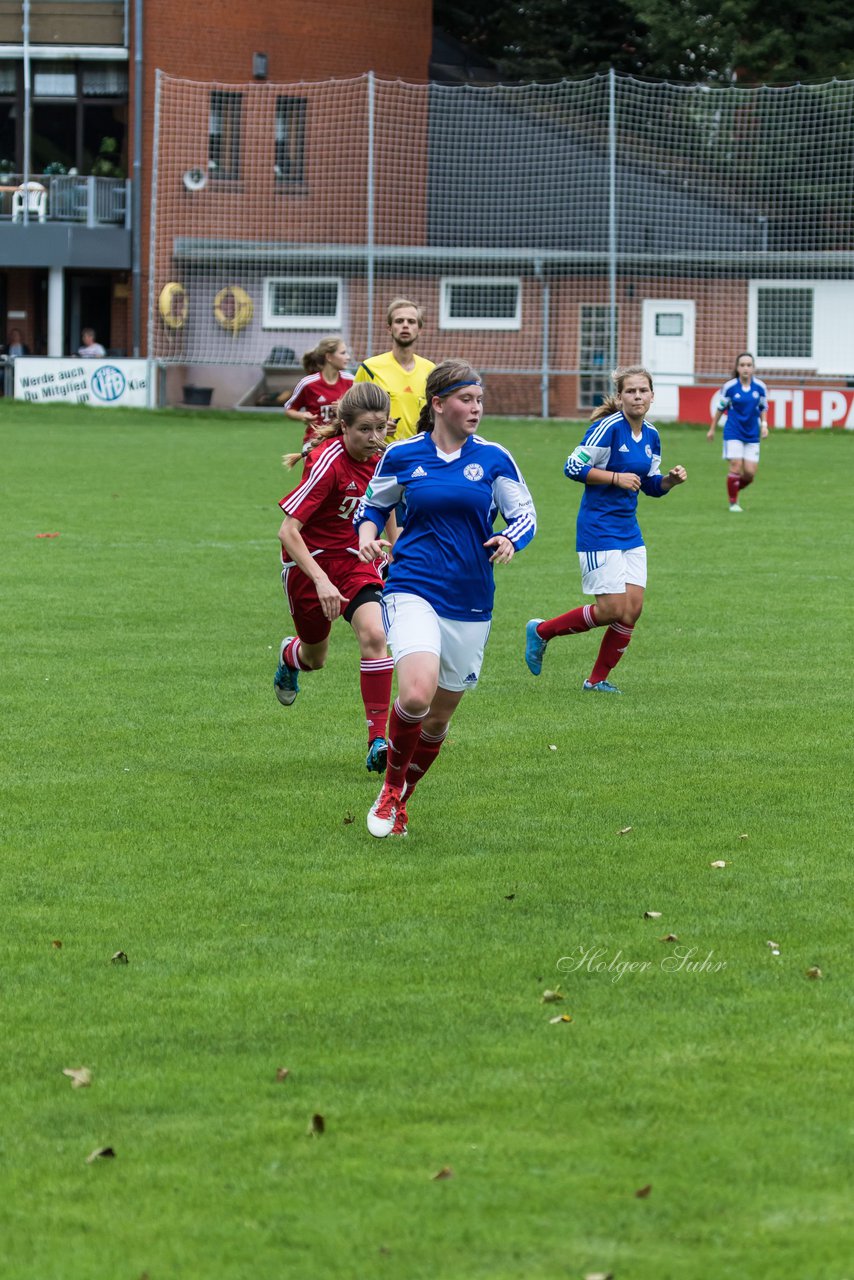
[407,391]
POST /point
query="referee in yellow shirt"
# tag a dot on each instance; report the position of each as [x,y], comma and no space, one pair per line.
[400,371]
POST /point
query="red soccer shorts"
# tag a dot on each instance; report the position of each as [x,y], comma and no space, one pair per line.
[347,573]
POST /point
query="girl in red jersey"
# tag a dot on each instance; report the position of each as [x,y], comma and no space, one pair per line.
[312,401]
[323,576]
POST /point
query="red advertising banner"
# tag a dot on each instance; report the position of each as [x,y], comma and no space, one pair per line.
[804,408]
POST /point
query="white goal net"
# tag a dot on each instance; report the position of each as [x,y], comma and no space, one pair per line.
[548,231]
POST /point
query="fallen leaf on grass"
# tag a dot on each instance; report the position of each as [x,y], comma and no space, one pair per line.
[101,1153]
[561,1017]
[814,972]
[80,1077]
[56,944]
[643,1192]
[743,835]
[443,1174]
[624,831]
[552,997]
[348,818]
[774,947]
[508,897]
[282,1074]
[599,1275]
[552,747]
[47,535]
[652,915]
[317,1126]
[720,863]
[669,937]
[119,957]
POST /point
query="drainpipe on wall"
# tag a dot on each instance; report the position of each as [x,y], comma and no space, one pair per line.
[136,188]
[25,32]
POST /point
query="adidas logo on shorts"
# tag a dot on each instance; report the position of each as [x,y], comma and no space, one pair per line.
[471,678]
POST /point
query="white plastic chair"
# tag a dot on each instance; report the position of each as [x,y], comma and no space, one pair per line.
[35,196]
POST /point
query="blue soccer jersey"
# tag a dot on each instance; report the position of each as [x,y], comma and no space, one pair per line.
[743,407]
[607,517]
[452,501]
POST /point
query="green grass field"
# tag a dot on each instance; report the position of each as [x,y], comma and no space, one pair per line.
[159,801]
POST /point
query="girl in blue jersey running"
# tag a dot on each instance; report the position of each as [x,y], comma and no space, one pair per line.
[618,457]
[744,400]
[437,601]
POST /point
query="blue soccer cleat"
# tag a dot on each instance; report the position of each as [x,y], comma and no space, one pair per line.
[535,647]
[377,756]
[285,681]
[601,686]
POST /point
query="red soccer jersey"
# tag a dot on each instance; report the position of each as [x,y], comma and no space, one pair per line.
[326,498]
[319,397]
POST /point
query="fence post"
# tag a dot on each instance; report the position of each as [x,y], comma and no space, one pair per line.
[612,216]
[370,228]
[544,360]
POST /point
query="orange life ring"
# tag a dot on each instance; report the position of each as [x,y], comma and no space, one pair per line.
[233,308]
[173,305]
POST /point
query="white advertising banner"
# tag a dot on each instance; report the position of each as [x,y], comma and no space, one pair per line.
[83,381]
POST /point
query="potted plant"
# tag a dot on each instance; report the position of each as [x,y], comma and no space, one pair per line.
[106,163]
[54,168]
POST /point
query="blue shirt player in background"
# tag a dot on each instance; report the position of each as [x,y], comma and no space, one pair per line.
[437,601]
[618,457]
[744,400]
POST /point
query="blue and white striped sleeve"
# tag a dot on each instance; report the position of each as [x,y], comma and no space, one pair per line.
[594,451]
[651,482]
[725,398]
[513,499]
[382,494]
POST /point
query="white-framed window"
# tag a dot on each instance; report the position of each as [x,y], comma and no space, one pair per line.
[290,141]
[224,134]
[781,324]
[594,342]
[303,302]
[480,302]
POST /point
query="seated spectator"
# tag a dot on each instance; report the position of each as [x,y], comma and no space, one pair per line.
[15,345]
[91,349]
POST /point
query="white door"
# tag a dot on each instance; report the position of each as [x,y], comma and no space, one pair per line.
[667,340]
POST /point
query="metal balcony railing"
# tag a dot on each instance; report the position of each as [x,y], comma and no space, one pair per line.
[94,202]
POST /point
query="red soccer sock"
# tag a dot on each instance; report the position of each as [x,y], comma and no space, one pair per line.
[403,733]
[733,484]
[614,644]
[426,750]
[290,655]
[744,481]
[375,679]
[569,624]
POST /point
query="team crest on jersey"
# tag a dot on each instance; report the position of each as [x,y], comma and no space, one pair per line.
[648,451]
[474,471]
[418,473]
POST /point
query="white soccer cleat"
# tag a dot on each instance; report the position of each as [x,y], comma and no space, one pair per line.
[384,811]
[733,506]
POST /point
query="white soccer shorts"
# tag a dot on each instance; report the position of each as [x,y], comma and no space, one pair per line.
[413,626]
[606,573]
[741,449]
